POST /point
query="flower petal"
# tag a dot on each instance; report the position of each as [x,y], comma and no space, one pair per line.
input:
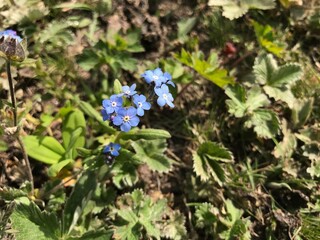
[131,111]
[125,127]
[146,105]
[161,102]
[117,120]
[134,121]
[140,112]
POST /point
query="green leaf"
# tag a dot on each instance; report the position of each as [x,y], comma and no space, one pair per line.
[152,153]
[72,6]
[185,26]
[236,103]
[92,113]
[285,75]
[94,235]
[128,215]
[141,216]
[206,215]
[264,122]
[44,149]
[241,104]
[265,35]
[207,162]
[216,152]
[88,60]
[287,146]
[3,146]
[73,131]
[77,201]
[55,168]
[124,169]
[29,223]
[264,66]
[281,94]
[175,227]
[301,111]
[208,69]
[235,9]
[267,72]
[147,134]
[117,87]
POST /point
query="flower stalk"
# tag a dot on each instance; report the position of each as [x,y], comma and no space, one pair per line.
[15,124]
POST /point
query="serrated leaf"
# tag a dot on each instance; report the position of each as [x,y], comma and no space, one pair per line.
[265,35]
[206,215]
[150,228]
[94,235]
[205,68]
[285,75]
[175,227]
[235,9]
[206,162]
[256,99]
[242,103]
[264,122]
[267,72]
[44,149]
[124,169]
[30,223]
[128,215]
[214,151]
[236,103]
[281,94]
[264,66]
[152,153]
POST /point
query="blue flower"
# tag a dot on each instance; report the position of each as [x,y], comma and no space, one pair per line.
[126,118]
[155,76]
[164,96]
[10,33]
[168,79]
[113,104]
[129,91]
[112,148]
[141,102]
[105,115]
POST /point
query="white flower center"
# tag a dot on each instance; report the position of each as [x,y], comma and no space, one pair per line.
[113,104]
[140,104]
[126,118]
[165,96]
[155,77]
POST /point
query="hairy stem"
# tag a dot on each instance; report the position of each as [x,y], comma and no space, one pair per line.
[12,94]
[15,124]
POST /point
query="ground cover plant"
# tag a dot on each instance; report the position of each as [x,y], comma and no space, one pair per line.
[158,119]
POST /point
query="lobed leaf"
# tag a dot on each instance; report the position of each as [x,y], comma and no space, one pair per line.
[30,223]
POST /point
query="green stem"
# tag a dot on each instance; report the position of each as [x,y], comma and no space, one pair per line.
[15,124]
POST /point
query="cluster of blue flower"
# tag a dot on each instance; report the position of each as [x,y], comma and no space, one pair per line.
[120,114]
[10,33]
